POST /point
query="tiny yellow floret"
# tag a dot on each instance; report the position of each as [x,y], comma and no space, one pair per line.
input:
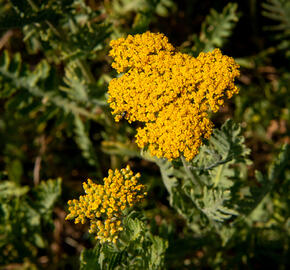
[168,92]
[103,204]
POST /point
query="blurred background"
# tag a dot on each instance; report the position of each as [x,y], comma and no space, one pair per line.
[55,122]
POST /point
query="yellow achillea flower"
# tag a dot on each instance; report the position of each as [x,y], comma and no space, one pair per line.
[169,92]
[103,204]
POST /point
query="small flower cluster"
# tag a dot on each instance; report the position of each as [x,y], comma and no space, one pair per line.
[103,204]
[169,92]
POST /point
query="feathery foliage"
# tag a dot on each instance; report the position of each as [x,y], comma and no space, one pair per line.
[227,208]
[25,221]
[138,249]
[216,28]
[279,11]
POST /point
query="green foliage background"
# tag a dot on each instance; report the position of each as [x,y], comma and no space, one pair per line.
[227,209]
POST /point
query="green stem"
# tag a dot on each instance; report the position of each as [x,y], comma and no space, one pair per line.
[81,63]
[33,5]
[53,29]
[86,70]
[49,98]
[218,176]
[195,180]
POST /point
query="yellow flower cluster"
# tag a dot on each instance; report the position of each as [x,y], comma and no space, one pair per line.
[169,92]
[103,205]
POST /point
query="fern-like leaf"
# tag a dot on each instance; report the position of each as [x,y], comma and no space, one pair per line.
[89,259]
[216,28]
[84,142]
[34,82]
[157,252]
[278,10]
[213,206]
[177,196]
[46,194]
[225,148]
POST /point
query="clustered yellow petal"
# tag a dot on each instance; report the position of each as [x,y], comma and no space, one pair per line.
[168,92]
[103,205]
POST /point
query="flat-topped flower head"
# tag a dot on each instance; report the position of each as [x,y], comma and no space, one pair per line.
[168,92]
[103,205]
